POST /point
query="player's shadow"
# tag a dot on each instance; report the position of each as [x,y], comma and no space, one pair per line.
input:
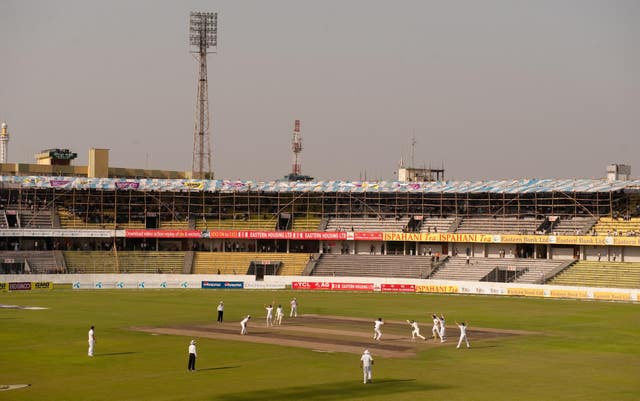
[117,353]
[218,368]
[481,346]
[393,381]
[354,389]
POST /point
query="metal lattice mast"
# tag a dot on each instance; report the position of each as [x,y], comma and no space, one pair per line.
[203,35]
[296,147]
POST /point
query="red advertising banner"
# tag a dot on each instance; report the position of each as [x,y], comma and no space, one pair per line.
[163,234]
[328,286]
[294,235]
[398,288]
[310,285]
[367,236]
[352,286]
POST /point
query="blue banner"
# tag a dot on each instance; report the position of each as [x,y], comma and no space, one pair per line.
[223,284]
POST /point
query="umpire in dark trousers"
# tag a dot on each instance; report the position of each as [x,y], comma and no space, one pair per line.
[192,356]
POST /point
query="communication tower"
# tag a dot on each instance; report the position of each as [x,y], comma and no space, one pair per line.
[296,147]
[203,37]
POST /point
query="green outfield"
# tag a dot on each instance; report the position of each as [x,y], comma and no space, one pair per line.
[581,350]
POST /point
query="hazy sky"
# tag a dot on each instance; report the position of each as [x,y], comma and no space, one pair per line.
[492,89]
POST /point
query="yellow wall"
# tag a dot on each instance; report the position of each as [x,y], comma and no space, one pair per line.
[81,171]
[98,163]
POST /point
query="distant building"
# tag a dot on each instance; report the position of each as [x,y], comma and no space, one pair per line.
[411,174]
[58,162]
[294,177]
[55,157]
[618,172]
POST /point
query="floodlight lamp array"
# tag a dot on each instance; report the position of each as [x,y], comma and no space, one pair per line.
[203,29]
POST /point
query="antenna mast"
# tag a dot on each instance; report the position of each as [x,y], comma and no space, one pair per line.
[203,34]
[413,151]
[296,147]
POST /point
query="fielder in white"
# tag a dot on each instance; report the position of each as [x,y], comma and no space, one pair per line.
[443,329]
[366,362]
[436,327]
[377,333]
[243,325]
[463,334]
[92,340]
[415,332]
[294,308]
[279,314]
[269,309]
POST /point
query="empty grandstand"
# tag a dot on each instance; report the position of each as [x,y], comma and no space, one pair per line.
[520,270]
[291,264]
[124,262]
[372,266]
[600,274]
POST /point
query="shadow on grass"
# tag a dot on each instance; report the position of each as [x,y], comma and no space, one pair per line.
[218,368]
[354,389]
[116,353]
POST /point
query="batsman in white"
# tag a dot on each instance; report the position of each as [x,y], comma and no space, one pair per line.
[415,332]
[436,327]
[294,308]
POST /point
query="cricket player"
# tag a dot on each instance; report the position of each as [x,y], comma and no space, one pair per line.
[279,314]
[191,366]
[436,327]
[294,308]
[220,312]
[415,332]
[366,362]
[463,334]
[443,329]
[92,340]
[243,325]
[377,333]
[269,309]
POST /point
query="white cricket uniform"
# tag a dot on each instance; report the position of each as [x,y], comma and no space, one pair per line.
[294,308]
[92,342]
[416,331]
[269,309]
[463,335]
[436,328]
[377,333]
[279,315]
[443,330]
[243,325]
[367,362]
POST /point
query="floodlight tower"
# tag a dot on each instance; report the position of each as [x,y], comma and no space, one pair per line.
[4,142]
[296,147]
[203,37]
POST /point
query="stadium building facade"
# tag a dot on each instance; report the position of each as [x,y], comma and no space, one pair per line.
[533,230]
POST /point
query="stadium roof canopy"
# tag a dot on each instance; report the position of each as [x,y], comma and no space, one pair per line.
[520,186]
